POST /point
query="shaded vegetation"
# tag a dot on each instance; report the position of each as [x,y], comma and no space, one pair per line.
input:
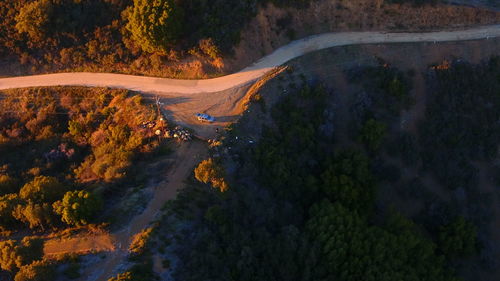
[300,210]
[461,123]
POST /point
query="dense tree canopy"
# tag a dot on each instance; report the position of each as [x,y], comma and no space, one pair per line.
[156,24]
[356,251]
[458,238]
[461,122]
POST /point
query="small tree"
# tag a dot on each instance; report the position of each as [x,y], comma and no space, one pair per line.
[155,25]
[140,241]
[78,207]
[372,134]
[8,204]
[35,215]
[458,239]
[42,189]
[33,18]
[209,171]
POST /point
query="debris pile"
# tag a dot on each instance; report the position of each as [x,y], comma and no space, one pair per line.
[163,130]
[178,133]
[148,124]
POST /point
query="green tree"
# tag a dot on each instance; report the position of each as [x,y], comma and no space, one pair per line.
[34,215]
[155,24]
[458,238]
[42,189]
[372,134]
[354,250]
[36,271]
[78,207]
[347,179]
[33,18]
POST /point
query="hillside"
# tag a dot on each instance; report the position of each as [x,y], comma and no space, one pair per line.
[363,157]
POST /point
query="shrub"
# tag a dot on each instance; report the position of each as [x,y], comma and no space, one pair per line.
[35,215]
[8,204]
[139,242]
[37,271]
[126,276]
[209,171]
[14,255]
[42,189]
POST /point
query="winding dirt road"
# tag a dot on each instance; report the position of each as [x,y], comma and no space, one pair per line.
[258,69]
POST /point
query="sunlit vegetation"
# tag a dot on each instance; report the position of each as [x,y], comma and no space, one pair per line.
[15,255]
[134,36]
[138,245]
[155,25]
[140,255]
[62,148]
[210,171]
[36,271]
[77,207]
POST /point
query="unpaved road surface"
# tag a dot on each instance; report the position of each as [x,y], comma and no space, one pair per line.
[183,98]
[249,74]
[187,156]
[80,244]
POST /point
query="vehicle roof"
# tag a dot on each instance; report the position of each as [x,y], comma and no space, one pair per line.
[203,115]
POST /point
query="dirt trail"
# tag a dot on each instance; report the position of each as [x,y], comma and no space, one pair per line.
[80,244]
[187,156]
[258,69]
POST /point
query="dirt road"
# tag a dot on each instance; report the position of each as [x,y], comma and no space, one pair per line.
[258,69]
[186,157]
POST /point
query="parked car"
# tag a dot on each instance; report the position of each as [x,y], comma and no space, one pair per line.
[204,117]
